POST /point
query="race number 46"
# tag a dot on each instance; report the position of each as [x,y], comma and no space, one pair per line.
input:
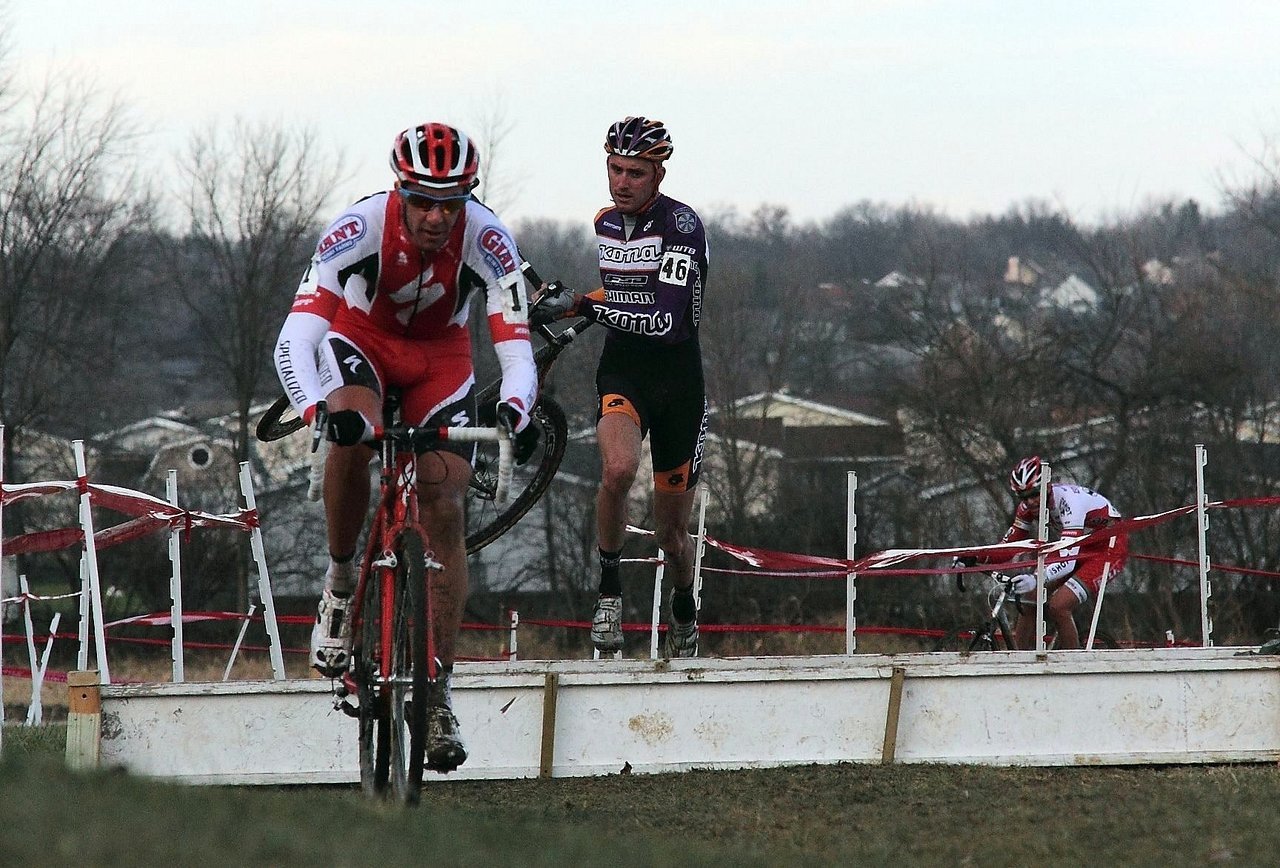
[675,267]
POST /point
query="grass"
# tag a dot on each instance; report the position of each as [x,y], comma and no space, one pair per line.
[843,814]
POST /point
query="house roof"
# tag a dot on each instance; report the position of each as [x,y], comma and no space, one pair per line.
[795,411]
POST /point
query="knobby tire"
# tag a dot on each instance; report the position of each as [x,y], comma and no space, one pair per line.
[375,750]
[485,522]
[408,694]
[279,421]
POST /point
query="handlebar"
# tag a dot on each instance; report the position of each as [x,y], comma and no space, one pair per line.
[419,439]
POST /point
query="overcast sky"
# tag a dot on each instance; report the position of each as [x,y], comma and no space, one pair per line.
[1098,107]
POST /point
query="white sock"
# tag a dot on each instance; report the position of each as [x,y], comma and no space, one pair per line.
[340,578]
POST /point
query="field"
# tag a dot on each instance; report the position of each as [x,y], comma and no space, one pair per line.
[844,814]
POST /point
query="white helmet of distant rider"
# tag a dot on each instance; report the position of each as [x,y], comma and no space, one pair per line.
[1024,479]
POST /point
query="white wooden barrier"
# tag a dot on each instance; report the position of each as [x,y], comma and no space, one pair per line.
[1064,708]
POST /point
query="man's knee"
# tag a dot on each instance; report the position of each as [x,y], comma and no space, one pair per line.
[675,542]
[1061,606]
[618,475]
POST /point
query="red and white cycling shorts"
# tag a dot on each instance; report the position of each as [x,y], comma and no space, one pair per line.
[1106,558]
[435,377]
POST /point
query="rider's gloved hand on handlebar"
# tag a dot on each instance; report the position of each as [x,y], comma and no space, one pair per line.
[556,302]
[1024,584]
[347,427]
[517,421]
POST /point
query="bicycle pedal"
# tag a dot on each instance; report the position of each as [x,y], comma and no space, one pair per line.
[346,706]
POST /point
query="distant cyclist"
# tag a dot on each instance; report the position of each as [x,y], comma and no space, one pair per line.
[385,302]
[653,270]
[1074,511]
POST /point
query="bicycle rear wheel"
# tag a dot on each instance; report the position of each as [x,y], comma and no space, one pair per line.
[375,749]
[485,520]
[280,420]
[955,640]
[407,712]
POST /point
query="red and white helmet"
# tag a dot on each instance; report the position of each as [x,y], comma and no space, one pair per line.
[1024,479]
[435,156]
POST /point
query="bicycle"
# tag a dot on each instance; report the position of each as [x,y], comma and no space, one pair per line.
[995,631]
[393,661]
[486,520]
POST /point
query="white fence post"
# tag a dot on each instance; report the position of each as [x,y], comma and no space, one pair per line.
[264,580]
[175,583]
[32,661]
[656,617]
[514,618]
[850,581]
[700,545]
[82,627]
[35,712]
[235,649]
[1202,541]
[1042,535]
[91,556]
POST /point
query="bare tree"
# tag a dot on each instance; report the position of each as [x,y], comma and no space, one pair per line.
[499,187]
[72,216]
[253,197]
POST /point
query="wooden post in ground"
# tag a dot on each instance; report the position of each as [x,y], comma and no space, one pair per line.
[550,691]
[84,720]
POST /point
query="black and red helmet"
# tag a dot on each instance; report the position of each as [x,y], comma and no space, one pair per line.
[1024,479]
[639,137]
[435,156]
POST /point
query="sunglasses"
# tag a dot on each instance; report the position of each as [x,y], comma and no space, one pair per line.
[449,205]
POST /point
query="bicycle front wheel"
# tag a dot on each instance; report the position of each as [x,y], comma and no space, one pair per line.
[485,520]
[407,710]
[375,732]
[955,640]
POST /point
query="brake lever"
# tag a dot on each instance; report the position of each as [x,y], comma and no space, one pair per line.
[318,425]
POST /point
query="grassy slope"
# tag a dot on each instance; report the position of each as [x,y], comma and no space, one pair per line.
[906,814]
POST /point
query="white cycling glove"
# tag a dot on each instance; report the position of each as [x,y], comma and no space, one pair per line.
[1024,584]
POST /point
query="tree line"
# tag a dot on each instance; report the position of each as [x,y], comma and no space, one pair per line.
[111,309]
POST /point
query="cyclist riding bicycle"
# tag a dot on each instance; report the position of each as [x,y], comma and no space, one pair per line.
[653,270]
[385,303]
[1074,511]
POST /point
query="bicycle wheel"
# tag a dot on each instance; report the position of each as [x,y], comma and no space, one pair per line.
[485,521]
[374,732]
[955,640]
[279,421]
[407,711]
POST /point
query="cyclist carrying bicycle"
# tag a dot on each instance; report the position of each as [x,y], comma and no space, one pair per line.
[653,269]
[385,302]
[1074,511]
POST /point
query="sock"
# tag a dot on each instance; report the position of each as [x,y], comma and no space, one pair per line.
[441,692]
[683,608]
[340,577]
[610,580]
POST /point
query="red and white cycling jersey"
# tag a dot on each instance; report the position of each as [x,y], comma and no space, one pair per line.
[1074,511]
[368,283]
